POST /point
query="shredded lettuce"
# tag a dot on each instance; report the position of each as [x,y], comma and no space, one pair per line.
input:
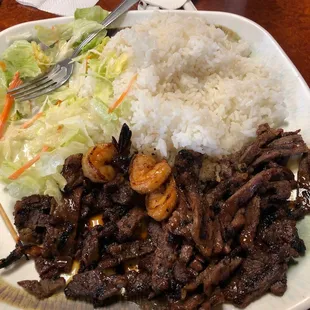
[50,36]
[3,88]
[44,61]
[20,57]
[95,13]
[76,115]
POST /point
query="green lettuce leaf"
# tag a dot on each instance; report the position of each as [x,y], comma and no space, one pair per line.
[50,36]
[95,13]
[20,57]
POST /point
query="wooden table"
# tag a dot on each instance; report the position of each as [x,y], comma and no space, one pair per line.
[287,20]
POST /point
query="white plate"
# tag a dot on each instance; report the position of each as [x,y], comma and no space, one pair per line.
[297,296]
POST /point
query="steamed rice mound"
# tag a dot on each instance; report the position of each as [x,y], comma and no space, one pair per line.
[198,87]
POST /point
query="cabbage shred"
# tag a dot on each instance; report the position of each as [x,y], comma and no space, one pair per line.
[74,117]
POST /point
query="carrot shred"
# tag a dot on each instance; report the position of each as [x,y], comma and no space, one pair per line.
[59,128]
[123,95]
[9,101]
[3,66]
[58,102]
[27,165]
[31,121]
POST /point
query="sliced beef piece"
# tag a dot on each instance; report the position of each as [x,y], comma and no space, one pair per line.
[260,270]
[186,253]
[283,232]
[69,209]
[44,288]
[58,240]
[226,187]
[50,242]
[187,167]
[14,256]
[180,221]
[107,261]
[165,257]
[129,223]
[302,207]
[197,264]
[271,154]
[120,191]
[98,200]
[72,172]
[130,250]
[90,251]
[117,253]
[145,263]
[31,216]
[95,287]
[156,232]
[242,197]
[252,215]
[53,268]
[108,231]
[114,213]
[202,227]
[279,288]
[239,220]
[265,135]
[65,220]
[218,243]
[287,142]
[138,284]
[214,274]
[250,153]
[279,190]
[191,303]
[181,273]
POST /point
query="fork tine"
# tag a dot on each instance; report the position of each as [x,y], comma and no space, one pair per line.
[44,90]
[34,83]
[35,89]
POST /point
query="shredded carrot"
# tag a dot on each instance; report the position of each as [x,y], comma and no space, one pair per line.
[59,128]
[58,102]
[26,166]
[31,121]
[3,66]
[123,95]
[9,101]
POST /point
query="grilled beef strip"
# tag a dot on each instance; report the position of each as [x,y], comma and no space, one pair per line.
[72,172]
[93,286]
[164,260]
[262,268]
[232,234]
[252,216]
[44,288]
[32,215]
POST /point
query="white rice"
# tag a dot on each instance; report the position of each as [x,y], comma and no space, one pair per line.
[197,88]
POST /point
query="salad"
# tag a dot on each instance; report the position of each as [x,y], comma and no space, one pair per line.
[38,135]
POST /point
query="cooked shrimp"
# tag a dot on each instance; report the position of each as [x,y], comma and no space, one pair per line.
[146,175]
[96,163]
[161,203]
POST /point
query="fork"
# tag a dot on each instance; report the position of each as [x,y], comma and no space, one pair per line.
[63,70]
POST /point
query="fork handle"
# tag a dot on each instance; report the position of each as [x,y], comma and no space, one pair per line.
[120,10]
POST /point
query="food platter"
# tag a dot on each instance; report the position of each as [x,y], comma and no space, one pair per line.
[297,295]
